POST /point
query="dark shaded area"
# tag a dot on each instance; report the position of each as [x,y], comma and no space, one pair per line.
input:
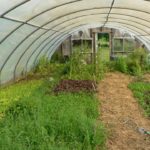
[74,86]
[79,42]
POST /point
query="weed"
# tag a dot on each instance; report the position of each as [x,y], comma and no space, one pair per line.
[80,67]
[141,91]
[33,120]
[134,64]
[121,65]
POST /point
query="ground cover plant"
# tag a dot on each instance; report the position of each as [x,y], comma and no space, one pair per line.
[33,118]
[136,63]
[141,91]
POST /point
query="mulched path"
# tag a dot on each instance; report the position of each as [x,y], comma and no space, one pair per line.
[122,115]
[74,86]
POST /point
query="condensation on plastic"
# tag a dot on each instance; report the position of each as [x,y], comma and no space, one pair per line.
[30,29]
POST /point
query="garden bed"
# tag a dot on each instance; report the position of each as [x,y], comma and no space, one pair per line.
[74,86]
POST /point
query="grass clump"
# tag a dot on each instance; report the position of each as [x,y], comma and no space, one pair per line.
[141,91]
[81,67]
[121,65]
[134,64]
[34,120]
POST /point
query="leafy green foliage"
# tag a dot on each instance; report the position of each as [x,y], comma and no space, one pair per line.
[103,42]
[103,39]
[42,66]
[35,120]
[121,65]
[135,64]
[80,66]
[141,91]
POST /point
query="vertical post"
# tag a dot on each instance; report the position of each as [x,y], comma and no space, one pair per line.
[123,45]
[81,34]
[111,44]
[61,48]
[91,36]
[82,44]
[94,46]
[70,39]
[94,50]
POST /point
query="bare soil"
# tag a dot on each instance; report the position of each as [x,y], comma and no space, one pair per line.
[122,115]
[75,86]
[147,77]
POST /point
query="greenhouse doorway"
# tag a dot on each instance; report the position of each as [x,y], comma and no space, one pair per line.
[104,45]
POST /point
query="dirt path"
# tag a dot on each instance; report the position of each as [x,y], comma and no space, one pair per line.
[122,115]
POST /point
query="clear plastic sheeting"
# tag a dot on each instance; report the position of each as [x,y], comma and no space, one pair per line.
[30,29]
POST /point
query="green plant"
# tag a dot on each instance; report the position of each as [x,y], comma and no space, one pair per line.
[134,67]
[58,57]
[135,63]
[121,65]
[42,65]
[141,91]
[79,67]
[40,121]
[101,65]
[147,65]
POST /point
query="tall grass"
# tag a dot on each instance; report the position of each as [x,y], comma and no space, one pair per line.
[134,64]
[141,91]
[34,120]
[81,66]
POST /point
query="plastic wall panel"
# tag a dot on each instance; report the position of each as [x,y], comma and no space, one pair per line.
[19,66]
[74,7]
[129,26]
[10,44]
[5,5]
[30,61]
[140,5]
[103,12]
[35,7]
[34,48]
[131,23]
[27,52]
[9,48]
[81,20]
[61,18]
[132,18]
[6,27]
[127,11]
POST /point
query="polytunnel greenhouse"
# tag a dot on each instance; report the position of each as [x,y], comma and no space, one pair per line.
[56,55]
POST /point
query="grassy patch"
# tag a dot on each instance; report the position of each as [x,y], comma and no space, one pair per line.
[34,120]
[141,91]
[136,63]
